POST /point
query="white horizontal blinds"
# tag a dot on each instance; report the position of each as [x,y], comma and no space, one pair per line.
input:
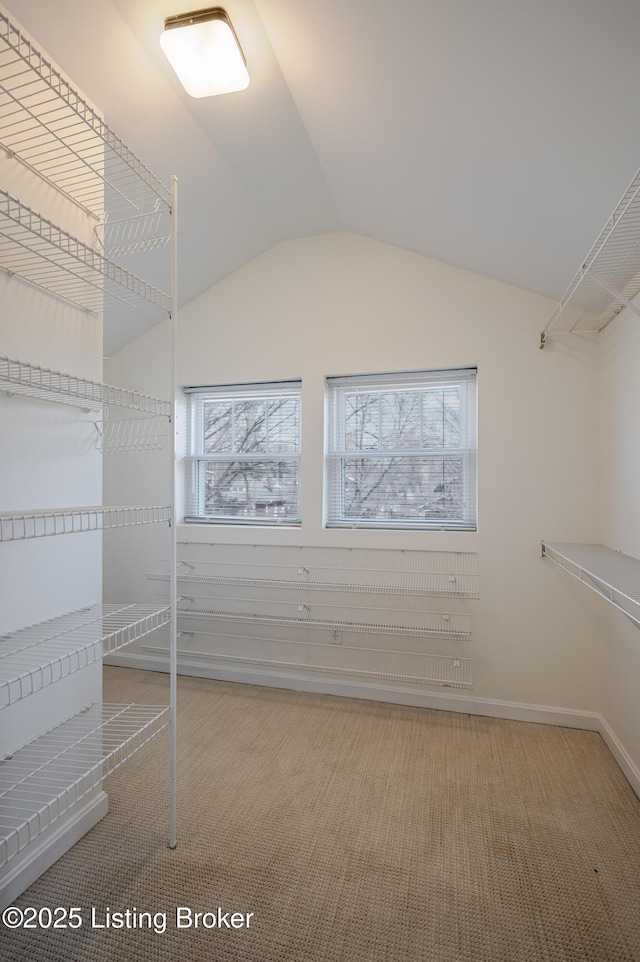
[244,452]
[402,450]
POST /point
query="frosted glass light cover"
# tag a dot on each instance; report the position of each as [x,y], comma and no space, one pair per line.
[206,58]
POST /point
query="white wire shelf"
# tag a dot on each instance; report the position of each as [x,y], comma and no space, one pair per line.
[35,657]
[45,779]
[132,434]
[441,586]
[46,256]
[52,130]
[328,617]
[30,380]
[613,575]
[21,525]
[372,571]
[609,277]
[133,235]
[350,661]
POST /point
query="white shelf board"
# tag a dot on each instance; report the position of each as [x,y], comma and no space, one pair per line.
[350,661]
[35,657]
[31,380]
[50,128]
[615,576]
[609,277]
[45,779]
[43,254]
[21,525]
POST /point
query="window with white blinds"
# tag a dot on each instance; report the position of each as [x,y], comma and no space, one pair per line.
[244,453]
[401,450]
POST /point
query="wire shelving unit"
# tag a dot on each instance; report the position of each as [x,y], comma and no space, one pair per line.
[48,777]
[353,612]
[33,658]
[47,127]
[609,277]
[613,575]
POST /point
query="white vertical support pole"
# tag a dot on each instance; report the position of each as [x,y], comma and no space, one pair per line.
[173,582]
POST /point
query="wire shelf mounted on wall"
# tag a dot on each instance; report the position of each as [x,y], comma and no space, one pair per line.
[42,254]
[355,612]
[449,671]
[48,777]
[613,575]
[37,656]
[609,277]
[31,380]
[366,620]
[23,525]
[51,129]
[439,574]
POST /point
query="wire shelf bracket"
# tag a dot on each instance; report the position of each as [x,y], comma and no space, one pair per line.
[45,779]
[37,656]
[126,435]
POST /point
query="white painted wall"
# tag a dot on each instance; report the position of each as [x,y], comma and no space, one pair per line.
[341,303]
[620,527]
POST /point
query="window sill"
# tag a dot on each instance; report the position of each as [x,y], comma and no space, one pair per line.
[240,523]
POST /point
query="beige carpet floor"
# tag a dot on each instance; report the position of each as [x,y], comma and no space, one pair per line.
[355,832]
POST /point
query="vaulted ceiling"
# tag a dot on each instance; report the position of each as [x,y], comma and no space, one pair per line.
[495,136]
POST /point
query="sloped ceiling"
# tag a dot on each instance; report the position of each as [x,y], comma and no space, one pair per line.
[495,136]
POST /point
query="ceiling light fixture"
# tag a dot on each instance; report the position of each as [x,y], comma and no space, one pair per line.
[204,51]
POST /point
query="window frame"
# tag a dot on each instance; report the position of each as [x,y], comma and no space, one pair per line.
[196,458]
[336,452]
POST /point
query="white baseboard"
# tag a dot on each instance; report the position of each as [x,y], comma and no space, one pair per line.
[49,847]
[621,755]
[451,700]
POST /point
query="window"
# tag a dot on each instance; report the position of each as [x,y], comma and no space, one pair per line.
[402,450]
[244,453]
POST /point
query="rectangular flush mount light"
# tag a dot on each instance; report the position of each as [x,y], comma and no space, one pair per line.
[203,49]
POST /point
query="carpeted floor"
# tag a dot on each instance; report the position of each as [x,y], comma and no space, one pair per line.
[356,832]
